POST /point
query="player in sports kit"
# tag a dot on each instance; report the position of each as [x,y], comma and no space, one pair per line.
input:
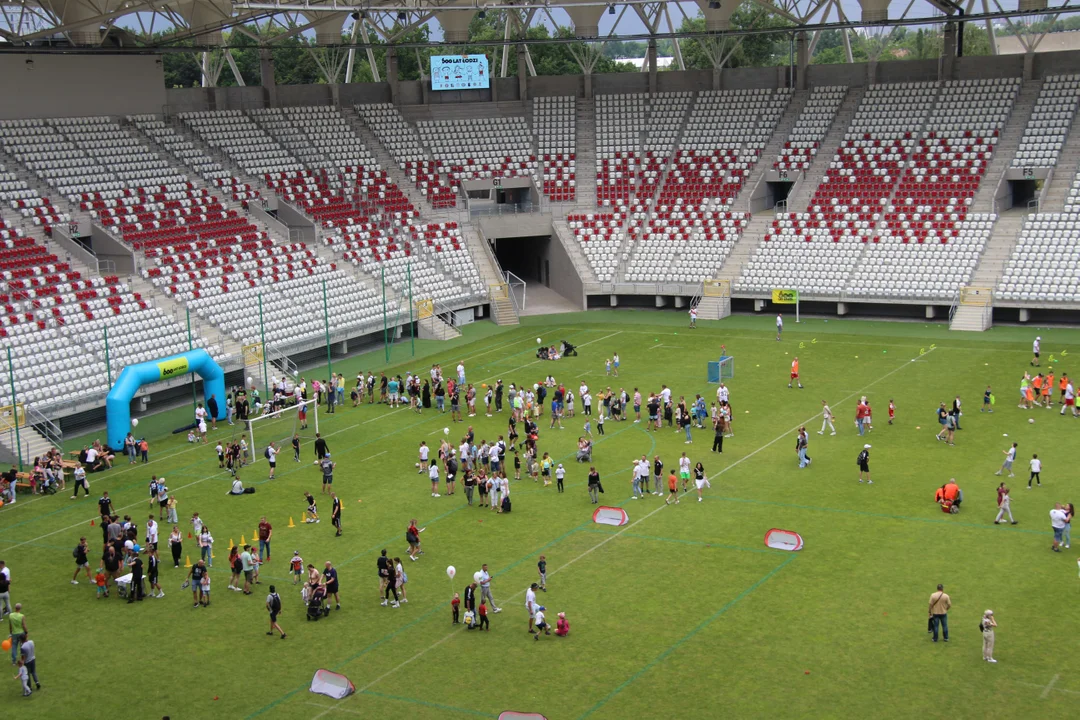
[794,370]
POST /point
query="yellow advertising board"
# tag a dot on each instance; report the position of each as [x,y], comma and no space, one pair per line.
[425,309]
[785,297]
[173,368]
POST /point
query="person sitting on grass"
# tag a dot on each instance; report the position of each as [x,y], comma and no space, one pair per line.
[562,627]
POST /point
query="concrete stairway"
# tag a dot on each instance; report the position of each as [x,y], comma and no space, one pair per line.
[713,308]
[33,445]
[744,248]
[585,159]
[772,148]
[1068,165]
[999,249]
[1008,142]
[502,309]
[971,318]
[827,148]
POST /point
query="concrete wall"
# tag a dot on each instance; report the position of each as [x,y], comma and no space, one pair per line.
[107,247]
[971,68]
[80,85]
[750,78]
[362,93]
[1056,63]
[850,74]
[293,95]
[907,71]
[563,276]
[548,85]
[691,80]
[513,226]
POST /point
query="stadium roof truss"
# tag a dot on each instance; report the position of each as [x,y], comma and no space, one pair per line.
[194,25]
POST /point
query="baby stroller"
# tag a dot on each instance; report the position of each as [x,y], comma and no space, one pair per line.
[568,349]
[316,603]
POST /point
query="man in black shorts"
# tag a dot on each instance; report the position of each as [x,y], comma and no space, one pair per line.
[383,564]
[335,513]
[330,579]
[273,604]
[321,448]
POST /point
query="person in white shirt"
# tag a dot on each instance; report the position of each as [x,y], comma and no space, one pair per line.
[80,481]
[1058,518]
[1035,347]
[693,317]
[541,624]
[826,419]
[151,532]
[461,373]
[1004,505]
[422,466]
[560,473]
[684,472]
[1036,468]
[1069,399]
[494,455]
[433,473]
[237,488]
[271,459]
[1010,456]
[779,326]
[530,604]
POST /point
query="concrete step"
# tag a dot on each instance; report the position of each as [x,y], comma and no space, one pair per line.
[772,148]
[744,248]
[504,312]
[971,318]
[826,150]
[1008,143]
[999,249]
[32,444]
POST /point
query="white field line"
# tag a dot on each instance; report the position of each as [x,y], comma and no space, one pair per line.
[611,537]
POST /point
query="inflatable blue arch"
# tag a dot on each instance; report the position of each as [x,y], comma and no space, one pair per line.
[118,402]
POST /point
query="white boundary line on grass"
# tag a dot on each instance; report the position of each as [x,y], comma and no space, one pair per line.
[640,520]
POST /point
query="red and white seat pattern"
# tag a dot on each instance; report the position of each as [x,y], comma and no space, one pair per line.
[554,120]
[433,256]
[357,195]
[17,195]
[478,148]
[403,144]
[237,135]
[601,237]
[1044,136]
[810,128]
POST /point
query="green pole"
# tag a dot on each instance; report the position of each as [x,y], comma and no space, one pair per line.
[15,408]
[190,346]
[262,336]
[108,365]
[326,324]
[386,337]
[412,331]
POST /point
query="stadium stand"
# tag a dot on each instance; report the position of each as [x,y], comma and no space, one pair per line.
[473,148]
[556,142]
[1045,266]
[1050,121]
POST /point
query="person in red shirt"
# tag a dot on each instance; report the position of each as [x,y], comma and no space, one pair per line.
[266,531]
[862,417]
[483,614]
[795,373]
[562,628]
[892,411]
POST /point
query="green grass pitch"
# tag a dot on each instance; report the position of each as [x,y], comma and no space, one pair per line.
[681,613]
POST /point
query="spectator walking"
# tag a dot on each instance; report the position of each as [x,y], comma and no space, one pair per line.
[826,419]
[5,589]
[594,485]
[485,588]
[987,626]
[335,513]
[939,613]
[23,676]
[1067,533]
[82,563]
[273,605]
[1004,505]
[266,531]
[470,600]
[176,544]
[17,630]
[28,651]
[330,578]
[1057,524]
[1036,467]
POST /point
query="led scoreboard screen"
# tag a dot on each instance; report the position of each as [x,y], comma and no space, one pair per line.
[459,72]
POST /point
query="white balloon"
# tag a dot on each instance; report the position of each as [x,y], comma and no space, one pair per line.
[477,575]
[251,380]
[446,431]
[451,571]
[134,422]
[537,341]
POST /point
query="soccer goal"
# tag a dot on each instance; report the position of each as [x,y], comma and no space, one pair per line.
[722,369]
[279,427]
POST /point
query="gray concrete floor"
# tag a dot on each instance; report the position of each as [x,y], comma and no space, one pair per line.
[540,300]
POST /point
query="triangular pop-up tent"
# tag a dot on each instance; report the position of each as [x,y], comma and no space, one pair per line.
[783,540]
[331,684]
[511,715]
[605,515]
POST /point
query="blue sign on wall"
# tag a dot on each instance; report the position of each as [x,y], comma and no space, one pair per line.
[459,72]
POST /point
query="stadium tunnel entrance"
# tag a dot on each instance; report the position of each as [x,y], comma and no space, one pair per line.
[525,246]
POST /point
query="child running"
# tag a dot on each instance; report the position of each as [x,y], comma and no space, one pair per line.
[673,489]
[312,509]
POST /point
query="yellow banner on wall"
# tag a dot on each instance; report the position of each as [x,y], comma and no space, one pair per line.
[425,309]
[785,297]
[172,368]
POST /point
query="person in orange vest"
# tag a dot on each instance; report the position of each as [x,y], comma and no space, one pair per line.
[795,373]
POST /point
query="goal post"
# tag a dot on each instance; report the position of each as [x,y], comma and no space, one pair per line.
[279,427]
[722,369]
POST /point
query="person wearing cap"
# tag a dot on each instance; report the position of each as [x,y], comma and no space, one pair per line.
[987,626]
[327,466]
[560,473]
[864,465]
[1035,346]
[540,623]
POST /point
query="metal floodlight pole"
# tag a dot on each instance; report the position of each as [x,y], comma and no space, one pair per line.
[326,325]
[386,339]
[262,339]
[412,330]
[15,410]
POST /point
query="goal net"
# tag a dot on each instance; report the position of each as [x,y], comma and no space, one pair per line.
[279,427]
[722,369]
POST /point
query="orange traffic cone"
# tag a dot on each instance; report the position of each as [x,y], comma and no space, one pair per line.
[91,523]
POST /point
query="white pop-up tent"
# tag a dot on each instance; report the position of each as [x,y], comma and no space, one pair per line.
[331,684]
[783,540]
[511,715]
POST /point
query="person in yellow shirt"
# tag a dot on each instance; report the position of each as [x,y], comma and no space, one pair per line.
[939,613]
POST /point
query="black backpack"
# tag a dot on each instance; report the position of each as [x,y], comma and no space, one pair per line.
[275,602]
[506,505]
[266,453]
[863,457]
